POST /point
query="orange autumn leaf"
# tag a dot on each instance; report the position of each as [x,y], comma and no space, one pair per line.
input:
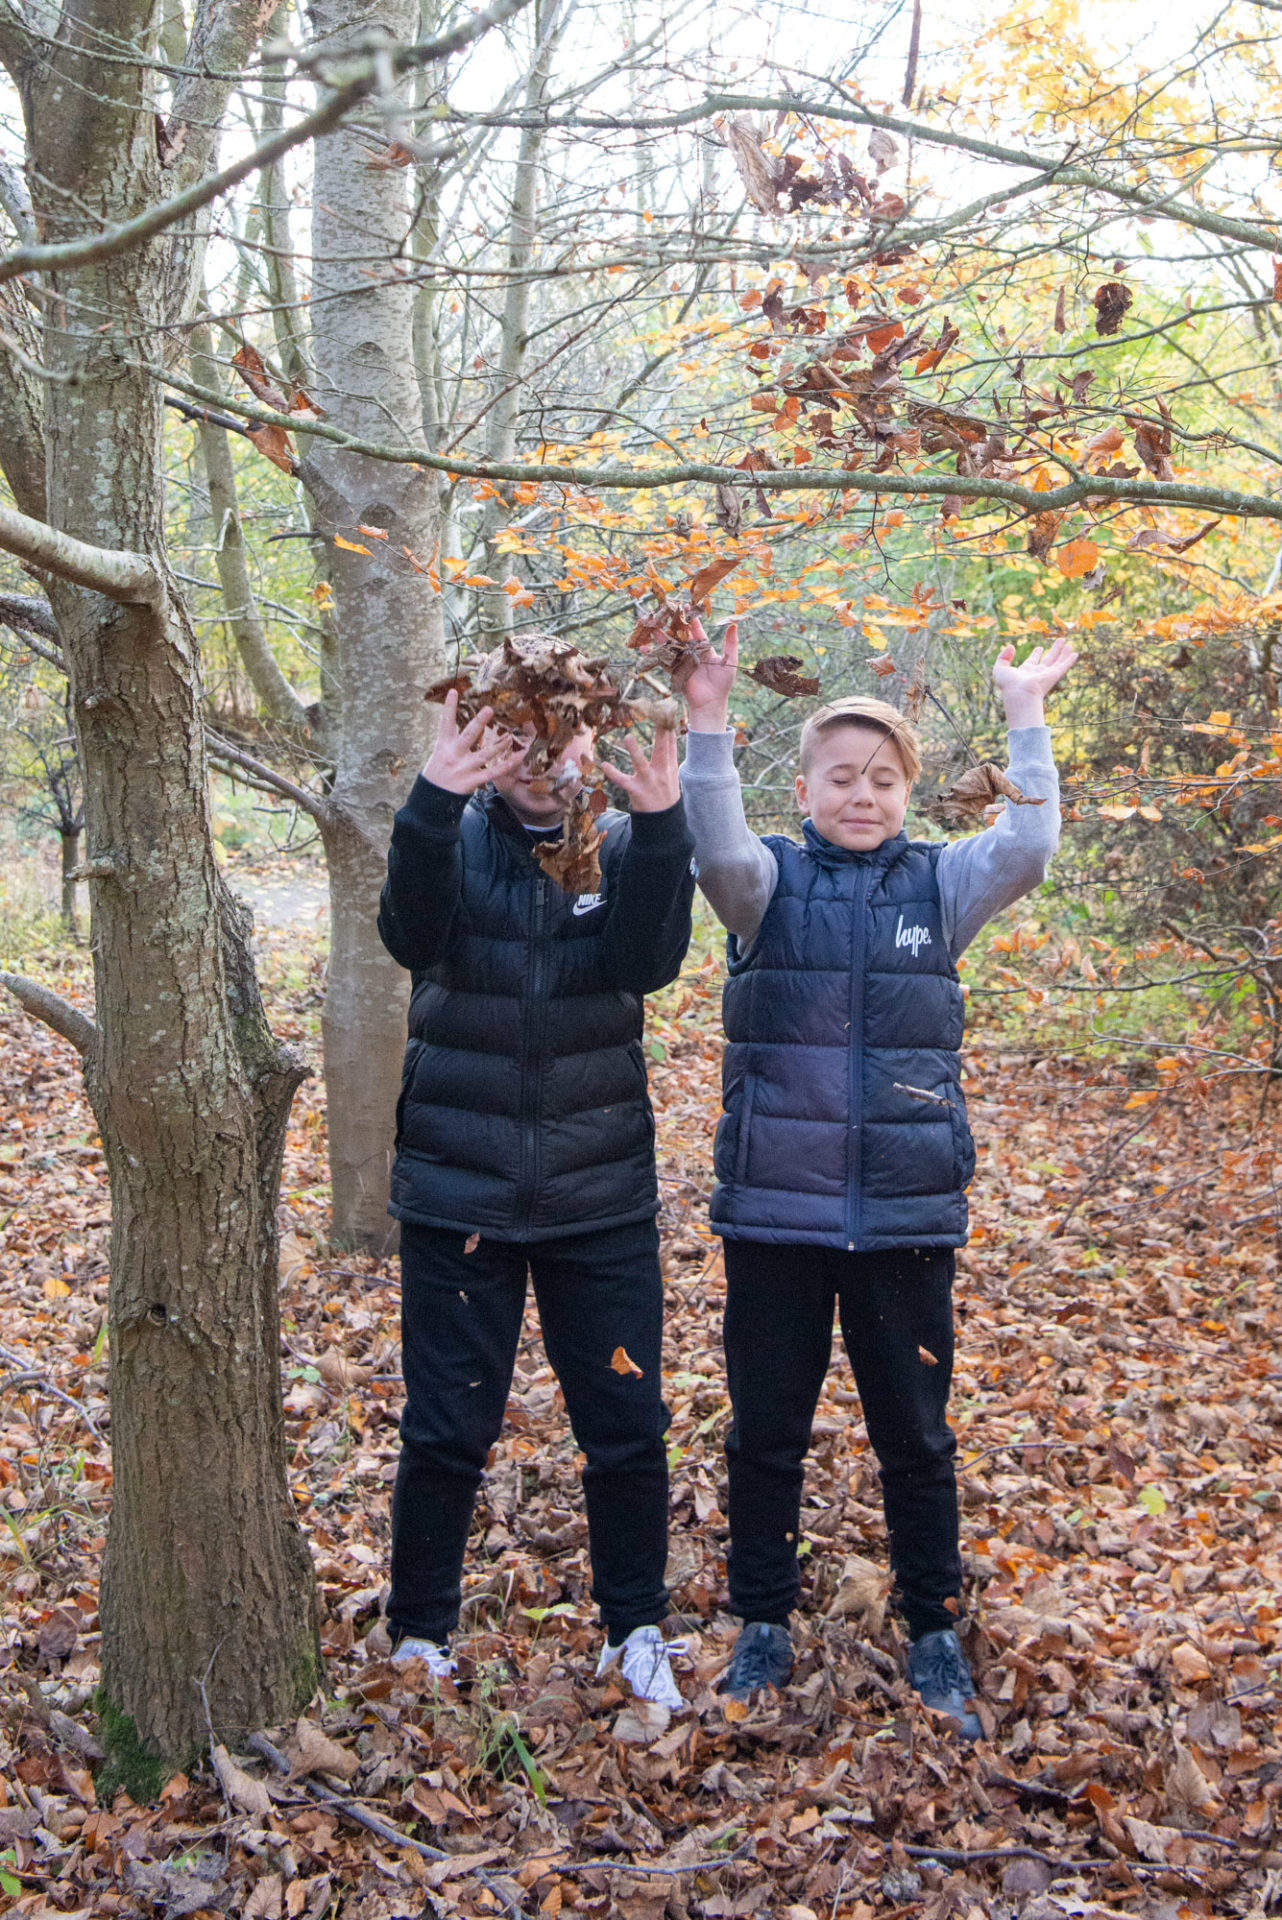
[1077,557]
[621,1362]
[349,546]
[884,335]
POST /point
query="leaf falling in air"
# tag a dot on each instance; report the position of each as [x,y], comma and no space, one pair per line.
[621,1362]
[782,674]
[1112,301]
[709,577]
[973,793]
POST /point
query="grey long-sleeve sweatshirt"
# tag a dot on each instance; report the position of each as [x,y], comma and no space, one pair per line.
[978,876]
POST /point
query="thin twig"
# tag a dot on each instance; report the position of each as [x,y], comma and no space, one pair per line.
[25,1372]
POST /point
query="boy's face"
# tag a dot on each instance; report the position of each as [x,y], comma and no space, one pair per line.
[855,789]
[543,809]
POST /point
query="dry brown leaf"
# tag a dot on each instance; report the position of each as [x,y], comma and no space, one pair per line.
[782,674]
[472,1242]
[310,1750]
[1153,537]
[863,1591]
[241,1788]
[1186,1786]
[266,1899]
[926,1357]
[59,1634]
[460,1864]
[292,1254]
[754,168]
[621,1362]
[1190,1663]
[251,367]
[641,1722]
[275,445]
[971,795]
[883,150]
[1111,303]
[709,577]
[340,1374]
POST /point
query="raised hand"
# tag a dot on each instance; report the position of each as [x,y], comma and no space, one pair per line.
[706,685]
[1024,689]
[654,784]
[463,760]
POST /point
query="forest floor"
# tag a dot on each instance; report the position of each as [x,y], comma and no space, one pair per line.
[1118,1402]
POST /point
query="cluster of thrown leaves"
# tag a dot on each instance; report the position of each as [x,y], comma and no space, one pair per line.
[852,401]
[547,688]
[837,182]
[1120,1423]
[665,636]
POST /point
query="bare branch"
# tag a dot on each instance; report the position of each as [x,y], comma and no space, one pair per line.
[1051,171]
[914,48]
[29,614]
[607,477]
[43,1004]
[127,577]
[131,233]
[219,749]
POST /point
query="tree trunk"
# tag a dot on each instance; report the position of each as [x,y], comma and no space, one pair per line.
[500,430]
[207,1581]
[69,845]
[387,621]
[275,694]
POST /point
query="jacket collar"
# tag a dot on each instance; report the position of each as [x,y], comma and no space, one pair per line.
[502,818]
[829,855]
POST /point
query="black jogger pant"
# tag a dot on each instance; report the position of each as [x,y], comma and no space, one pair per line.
[778,1342]
[460,1326]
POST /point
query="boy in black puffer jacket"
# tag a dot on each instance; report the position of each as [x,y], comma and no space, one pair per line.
[525,1145]
[843,1157]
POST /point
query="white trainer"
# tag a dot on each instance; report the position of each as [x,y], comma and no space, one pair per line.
[434,1657]
[645,1660]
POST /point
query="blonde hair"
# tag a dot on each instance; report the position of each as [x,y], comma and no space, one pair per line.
[859,710]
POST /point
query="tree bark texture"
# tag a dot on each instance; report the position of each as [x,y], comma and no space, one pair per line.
[387,620]
[206,1578]
[500,429]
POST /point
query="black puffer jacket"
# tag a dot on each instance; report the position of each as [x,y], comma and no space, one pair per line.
[524,1112]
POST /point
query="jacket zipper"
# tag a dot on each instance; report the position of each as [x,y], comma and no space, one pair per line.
[532,1031]
[855,1136]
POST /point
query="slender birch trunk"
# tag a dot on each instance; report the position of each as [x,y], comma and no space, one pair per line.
[387,619]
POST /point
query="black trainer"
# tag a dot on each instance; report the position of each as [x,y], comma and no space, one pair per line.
[938,1670]
[762,1657]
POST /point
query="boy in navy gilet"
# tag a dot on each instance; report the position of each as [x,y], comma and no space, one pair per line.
[843,1156]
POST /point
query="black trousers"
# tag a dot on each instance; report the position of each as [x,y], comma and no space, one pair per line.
[778,1342]
[460,1327]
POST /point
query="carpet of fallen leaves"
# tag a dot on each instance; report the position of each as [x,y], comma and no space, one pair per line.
[1119,1409]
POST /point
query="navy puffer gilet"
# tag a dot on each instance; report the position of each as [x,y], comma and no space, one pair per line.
[846,998]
